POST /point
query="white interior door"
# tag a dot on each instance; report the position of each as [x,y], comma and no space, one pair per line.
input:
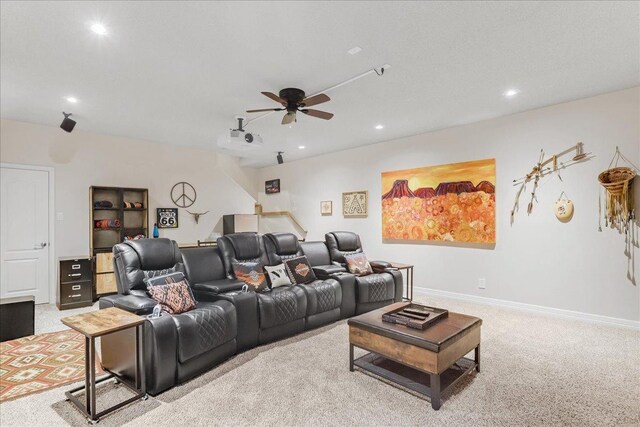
[24,233]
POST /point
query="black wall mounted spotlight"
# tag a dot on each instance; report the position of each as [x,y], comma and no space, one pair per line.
[67,124]
[279,157]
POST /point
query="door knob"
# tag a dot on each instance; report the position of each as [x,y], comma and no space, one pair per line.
[42,245]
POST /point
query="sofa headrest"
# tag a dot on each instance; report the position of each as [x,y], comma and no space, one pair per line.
[316,252]
[203,264]
[245,245]
[347,241]
[284,243]
[136,259]
[155,254]
[240,247]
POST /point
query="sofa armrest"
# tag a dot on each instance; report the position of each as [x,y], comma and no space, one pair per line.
[108,301]
[216,287]
[381,266]
[132,303]
[399,283]
[246,304]
[326,271]
[348,283]
[161,353]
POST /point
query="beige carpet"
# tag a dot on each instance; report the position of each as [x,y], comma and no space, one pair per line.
[536,371]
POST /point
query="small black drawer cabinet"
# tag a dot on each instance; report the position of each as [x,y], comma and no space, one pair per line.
[75,283]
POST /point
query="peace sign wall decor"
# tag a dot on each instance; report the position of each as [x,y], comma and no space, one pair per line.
[183,194]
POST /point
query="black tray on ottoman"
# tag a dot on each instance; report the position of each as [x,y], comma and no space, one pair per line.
[415,316]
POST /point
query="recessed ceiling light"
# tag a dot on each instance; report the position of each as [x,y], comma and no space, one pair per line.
[379,127]
[301,147]
[354,50]
[511,93]
[98,28]
[72,99]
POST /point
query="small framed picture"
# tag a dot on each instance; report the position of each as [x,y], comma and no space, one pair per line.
[167,217]
[272,186]
[326,207]
[354,204]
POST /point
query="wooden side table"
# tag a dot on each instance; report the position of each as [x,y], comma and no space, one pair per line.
[96,324]
[409,280]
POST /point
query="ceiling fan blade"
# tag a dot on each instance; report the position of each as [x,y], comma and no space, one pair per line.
[315,100]
[265,109]
[274,97]
[288,118]
[317,113]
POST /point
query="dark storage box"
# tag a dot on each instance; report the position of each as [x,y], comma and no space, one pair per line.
[16,317]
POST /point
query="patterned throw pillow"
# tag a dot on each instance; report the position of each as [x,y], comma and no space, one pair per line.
[162,277]
[277,276]
[175,298]
[299,270]
[165,277]
[252,274]
[358,264]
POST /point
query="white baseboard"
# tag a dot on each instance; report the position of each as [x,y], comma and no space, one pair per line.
[568,314]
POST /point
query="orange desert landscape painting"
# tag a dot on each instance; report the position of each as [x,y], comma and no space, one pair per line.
[453,202]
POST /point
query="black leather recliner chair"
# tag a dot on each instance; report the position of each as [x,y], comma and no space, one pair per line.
[205,269]
[319,258]
[374,290]
[208,278]
[177,347]
[324,297]
[281,312]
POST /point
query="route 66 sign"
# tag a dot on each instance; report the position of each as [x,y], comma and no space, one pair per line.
[167,217]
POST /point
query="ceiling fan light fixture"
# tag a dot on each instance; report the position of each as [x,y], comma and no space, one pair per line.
[289,118]
[294,100]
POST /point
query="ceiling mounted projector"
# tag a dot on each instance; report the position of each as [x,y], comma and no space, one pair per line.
[239,139]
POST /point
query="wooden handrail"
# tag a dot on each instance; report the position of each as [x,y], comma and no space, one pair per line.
[291,216]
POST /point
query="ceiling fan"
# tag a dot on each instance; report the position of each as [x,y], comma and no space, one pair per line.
[293,100]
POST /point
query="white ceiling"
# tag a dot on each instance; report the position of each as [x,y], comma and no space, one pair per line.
[178,72]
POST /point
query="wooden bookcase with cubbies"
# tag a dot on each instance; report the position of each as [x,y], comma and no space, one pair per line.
[133,221]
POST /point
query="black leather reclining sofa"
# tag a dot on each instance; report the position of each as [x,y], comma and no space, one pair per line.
[227,321]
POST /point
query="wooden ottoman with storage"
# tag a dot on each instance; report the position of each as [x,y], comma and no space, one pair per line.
[429,361]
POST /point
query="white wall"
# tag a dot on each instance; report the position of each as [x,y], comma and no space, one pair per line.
[83,159]
[538,260]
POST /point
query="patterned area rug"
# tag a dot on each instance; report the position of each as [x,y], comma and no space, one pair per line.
[41,362]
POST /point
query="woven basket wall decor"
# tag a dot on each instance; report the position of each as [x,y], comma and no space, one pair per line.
[614,180]
[619,207]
